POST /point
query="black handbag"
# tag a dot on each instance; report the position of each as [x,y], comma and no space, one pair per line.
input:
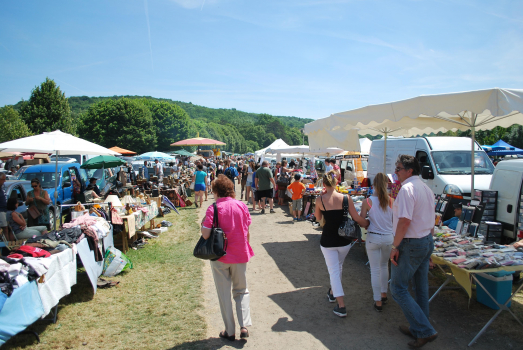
[349,228]
[215,246]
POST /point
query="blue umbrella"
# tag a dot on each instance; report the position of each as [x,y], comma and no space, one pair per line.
[155,155]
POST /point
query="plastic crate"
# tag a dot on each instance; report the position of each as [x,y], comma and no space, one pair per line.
[499,287]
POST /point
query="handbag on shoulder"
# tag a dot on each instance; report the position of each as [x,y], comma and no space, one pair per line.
[215,246]
[349,228]
[34,212]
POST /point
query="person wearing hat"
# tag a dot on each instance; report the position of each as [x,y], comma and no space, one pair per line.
[93,186]
[452,223]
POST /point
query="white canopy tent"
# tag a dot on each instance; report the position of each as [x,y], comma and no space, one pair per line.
[60,144]
[305,150]
[365,144]
[474,110]
[276,144]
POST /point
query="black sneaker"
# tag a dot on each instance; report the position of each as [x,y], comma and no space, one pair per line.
[377,308]
[272,211]
[384,300]
[340,311]
[331,297]
[263,211]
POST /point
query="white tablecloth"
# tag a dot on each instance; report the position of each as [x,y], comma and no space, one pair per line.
[58,280]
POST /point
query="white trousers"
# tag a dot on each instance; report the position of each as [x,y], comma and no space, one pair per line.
[334,258]
[229,277]
[378,250]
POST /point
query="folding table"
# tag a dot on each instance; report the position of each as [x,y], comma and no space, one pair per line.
[465,277]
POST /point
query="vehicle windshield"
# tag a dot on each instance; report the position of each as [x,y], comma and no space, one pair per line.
[364,164]
[458,162]
[46,179]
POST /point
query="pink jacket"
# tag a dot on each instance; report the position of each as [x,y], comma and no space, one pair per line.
[234,219]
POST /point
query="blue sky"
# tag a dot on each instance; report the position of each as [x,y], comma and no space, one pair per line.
[304,58]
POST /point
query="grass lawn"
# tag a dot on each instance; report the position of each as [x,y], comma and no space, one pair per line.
[155,306]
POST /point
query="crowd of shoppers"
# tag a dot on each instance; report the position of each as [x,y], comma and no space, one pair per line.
[398,230]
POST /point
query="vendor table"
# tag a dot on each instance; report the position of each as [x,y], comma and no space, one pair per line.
[137,221]
[21,309]
[465,277]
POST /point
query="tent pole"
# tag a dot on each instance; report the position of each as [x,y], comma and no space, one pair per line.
[473,141]
[55,195]
[385,153]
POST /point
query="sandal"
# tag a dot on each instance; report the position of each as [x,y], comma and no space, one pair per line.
[244,334]
[223,334]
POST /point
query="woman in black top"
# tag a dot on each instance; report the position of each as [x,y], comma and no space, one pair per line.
[334,247]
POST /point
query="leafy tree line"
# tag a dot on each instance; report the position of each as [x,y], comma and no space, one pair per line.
[145,123]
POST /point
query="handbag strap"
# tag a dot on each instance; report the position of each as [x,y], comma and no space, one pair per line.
[215,216]
[345,206]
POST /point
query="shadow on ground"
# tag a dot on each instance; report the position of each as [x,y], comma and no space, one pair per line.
[211,344]
[303,265]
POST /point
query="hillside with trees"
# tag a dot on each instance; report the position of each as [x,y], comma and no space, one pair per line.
[144,123]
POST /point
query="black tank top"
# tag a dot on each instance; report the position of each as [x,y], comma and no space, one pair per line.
[330,237]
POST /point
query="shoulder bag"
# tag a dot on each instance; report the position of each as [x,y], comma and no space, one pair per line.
[349,228]
[33,211]
[215,246]
[283,179]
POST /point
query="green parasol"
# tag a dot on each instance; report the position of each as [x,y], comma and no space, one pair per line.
[102,162]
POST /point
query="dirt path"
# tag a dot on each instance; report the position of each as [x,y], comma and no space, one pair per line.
[288,283]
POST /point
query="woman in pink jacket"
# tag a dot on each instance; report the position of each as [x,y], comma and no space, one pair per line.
[229,271]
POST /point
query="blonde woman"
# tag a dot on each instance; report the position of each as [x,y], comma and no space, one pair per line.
[334,247]
[379,238]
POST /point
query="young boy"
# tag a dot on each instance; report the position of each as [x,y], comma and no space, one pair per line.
[297,189]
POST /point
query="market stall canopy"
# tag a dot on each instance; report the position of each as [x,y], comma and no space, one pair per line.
[501,148]
[102,162]
[198,141]
[183,152]
[56,142]
[155,155]
[365,144]
[122,151]
[451,111]
[276,144]
[304,149]
[469,110]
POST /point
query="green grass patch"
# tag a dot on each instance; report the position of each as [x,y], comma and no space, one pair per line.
[155,306]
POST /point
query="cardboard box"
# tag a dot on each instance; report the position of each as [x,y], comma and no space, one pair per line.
[42,156]
[34,161]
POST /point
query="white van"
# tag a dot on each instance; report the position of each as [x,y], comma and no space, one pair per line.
[445,162]
[508,181]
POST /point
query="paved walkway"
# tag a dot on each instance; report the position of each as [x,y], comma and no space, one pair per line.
[288,283]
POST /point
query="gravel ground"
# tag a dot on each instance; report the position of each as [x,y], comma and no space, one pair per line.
[288,283]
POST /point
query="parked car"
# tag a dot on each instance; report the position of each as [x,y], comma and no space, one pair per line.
[18,189]
[45,173]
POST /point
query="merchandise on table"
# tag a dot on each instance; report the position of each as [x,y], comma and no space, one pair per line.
[471,253]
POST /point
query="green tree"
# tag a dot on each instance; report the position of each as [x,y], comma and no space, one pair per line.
[48,110]
[12,125]
[171,122]
[125,123]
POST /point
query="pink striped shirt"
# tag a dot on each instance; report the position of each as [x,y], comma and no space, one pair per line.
[234,219]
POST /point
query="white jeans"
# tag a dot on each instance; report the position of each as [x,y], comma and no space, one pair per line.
[378,251]
[334,258]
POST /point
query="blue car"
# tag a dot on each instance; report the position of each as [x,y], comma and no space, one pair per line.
[45,173]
